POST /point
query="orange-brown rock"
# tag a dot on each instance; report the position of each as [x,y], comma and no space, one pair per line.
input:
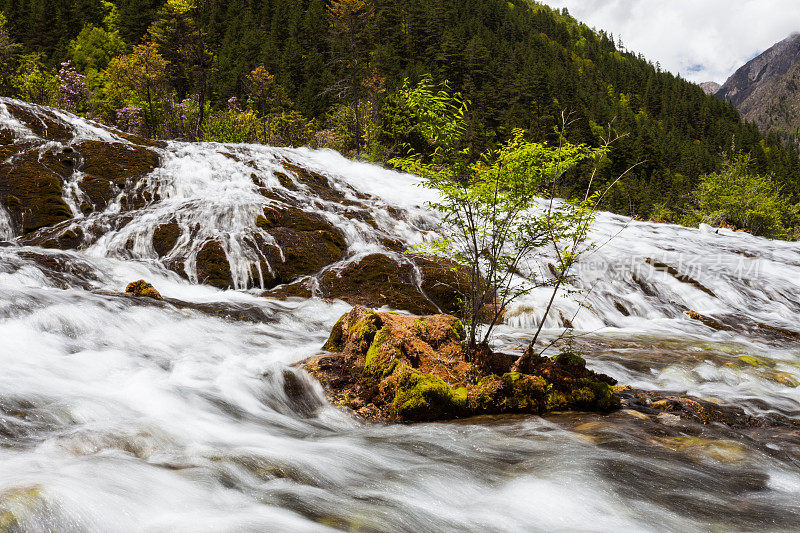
[405,368]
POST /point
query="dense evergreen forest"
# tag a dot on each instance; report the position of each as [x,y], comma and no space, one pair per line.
[325,73]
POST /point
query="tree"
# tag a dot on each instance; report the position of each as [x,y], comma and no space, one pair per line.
[267,96]
[182,39]
[94,48]
[351,24]
[34,82]
[7,49]
[140,77]
[739,196]
[490,209]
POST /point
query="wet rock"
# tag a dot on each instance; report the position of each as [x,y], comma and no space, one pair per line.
[116,162]
[708,321]
[443,281]
[18,505]
[65,236]
[32,193]
[308,242]
[44,123]
[409,368]
[213,267]
[298,289]
[698,410]
[377,280]
[143,289]
[316,182]
[672,271]
[165,237]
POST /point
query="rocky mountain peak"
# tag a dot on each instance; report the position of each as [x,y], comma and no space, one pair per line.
[765,89]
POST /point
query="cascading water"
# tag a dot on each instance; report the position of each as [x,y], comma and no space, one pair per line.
[124,414]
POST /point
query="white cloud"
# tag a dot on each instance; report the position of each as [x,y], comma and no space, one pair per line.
[702,40]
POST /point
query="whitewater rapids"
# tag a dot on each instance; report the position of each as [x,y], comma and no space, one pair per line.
[118,414]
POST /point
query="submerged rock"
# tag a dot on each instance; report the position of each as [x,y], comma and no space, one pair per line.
[143,289]
[389,366]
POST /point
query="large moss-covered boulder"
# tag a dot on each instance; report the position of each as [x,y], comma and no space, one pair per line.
[390,366]
[213,267]
[377,280]
[308,242]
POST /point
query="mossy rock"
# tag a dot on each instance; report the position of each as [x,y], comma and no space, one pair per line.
[165,237]
[569,358]
[32,193]
[43,124]
[444,282]
[377,280]
[213,267]
[17,504]
[406,368]
[316,182]
[510,393]
[298,289]
[116,162]
[308,243]
[421,396]
[143,289]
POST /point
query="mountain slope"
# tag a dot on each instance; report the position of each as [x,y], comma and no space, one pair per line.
[710,87]
[766,90]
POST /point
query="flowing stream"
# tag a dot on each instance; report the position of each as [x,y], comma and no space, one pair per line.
[125,414]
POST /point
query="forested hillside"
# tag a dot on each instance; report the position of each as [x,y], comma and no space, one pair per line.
[324,73]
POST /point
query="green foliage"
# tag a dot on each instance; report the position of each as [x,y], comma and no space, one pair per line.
[490,206]
[35,82]
[518,63]
[739,196]
[94,48]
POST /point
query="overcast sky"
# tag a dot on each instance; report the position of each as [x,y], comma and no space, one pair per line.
[702,40]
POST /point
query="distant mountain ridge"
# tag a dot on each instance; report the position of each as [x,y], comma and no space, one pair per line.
[766,90]
[710,87]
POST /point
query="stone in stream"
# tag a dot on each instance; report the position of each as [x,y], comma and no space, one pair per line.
[389,366]
[143,289]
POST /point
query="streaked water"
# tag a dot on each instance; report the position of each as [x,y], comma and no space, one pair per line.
[119,414]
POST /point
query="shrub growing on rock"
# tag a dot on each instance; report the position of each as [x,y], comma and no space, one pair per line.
[497,225]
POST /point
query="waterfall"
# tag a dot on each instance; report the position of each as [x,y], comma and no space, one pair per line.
[121,414]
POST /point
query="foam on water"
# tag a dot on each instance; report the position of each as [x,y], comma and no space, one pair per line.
[122,414]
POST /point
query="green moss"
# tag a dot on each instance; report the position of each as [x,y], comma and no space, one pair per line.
[523,393]
[555,400]
[382,358]
[143,289]
[749,360]
[459,332]
[593,395]
[569,358]
[421,396]
[460,397]
[334,341]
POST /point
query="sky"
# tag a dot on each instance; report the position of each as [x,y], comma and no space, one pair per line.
[702,40]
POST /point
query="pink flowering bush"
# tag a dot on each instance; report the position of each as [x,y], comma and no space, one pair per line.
[75,92]
[129,119]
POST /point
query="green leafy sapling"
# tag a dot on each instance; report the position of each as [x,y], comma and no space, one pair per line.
[499,208]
